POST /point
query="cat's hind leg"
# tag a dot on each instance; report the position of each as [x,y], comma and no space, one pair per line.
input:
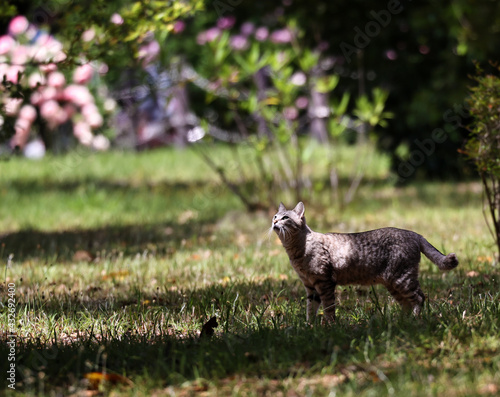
[408,294]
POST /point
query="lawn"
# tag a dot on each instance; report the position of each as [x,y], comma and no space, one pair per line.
[119,260]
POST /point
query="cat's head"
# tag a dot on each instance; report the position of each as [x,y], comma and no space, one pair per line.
[288,222]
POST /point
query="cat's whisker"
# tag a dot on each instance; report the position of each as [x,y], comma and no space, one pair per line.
[286,232]
[269,233]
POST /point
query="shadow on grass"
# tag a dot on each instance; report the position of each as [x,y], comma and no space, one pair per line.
[262,333]
[160,239]
[37,186]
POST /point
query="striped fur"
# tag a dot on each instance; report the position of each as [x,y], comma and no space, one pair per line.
[387,256]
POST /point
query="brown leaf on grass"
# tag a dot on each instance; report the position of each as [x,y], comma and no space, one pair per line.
[208,327]
[490,388]
[186,216]
[472,273]
[96,378]
[82,256]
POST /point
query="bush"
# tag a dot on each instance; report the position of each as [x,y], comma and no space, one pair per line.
[483,146]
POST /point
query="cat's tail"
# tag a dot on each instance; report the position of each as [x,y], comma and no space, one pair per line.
[444,262]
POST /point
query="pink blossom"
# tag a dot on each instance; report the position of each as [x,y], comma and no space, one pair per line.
[95,120]
[40,54]
[28,112]
[88,35]
[49,110]
[281,36]
[21,136]
[208,35]
[100,142]
[212,34]
[116,19]
[225,23]
[48,48]
[12,106]
[61,117]
[298,79]
[179,26]
[261,33]
[238,42]
[22,127]
[247,28]
[12,74]
[3,70]
[149,52]
[290,113]
[56,79]
[81,130]
[78,94]
[53,113]
[31,32]
[88,109]
[102,68]
[92,116]
[83,74]
[36,98]
[35,79]
[51,43]
[301,102]
[423,49]
[69,109]
[48,93]
[49,67]
[19,55]
[18,25]
[391,55]
[201,38]
[6,44]
[59,57]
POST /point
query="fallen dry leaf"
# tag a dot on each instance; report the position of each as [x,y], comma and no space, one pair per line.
[490,388]
[82,256]
[472,273]
[186,216]
[96,378]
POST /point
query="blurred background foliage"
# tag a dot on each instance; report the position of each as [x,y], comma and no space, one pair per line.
[417,55]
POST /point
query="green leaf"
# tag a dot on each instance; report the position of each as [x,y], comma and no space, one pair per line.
[326,84]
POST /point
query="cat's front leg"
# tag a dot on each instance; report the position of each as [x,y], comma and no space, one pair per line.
[313,301]
[326,290]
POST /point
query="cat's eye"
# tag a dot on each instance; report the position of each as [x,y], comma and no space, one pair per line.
[285,218]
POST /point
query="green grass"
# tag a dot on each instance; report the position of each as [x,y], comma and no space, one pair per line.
[171,248]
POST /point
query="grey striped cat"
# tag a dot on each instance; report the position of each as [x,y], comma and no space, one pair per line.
[386,256]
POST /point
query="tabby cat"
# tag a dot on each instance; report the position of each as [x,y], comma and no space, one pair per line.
[387,256]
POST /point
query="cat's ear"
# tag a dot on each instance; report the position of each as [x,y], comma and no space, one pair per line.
[281,208]
[299,209]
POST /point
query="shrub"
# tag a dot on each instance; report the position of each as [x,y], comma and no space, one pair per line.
[483,147]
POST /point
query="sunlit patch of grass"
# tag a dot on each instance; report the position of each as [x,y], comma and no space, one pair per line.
[163,250]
